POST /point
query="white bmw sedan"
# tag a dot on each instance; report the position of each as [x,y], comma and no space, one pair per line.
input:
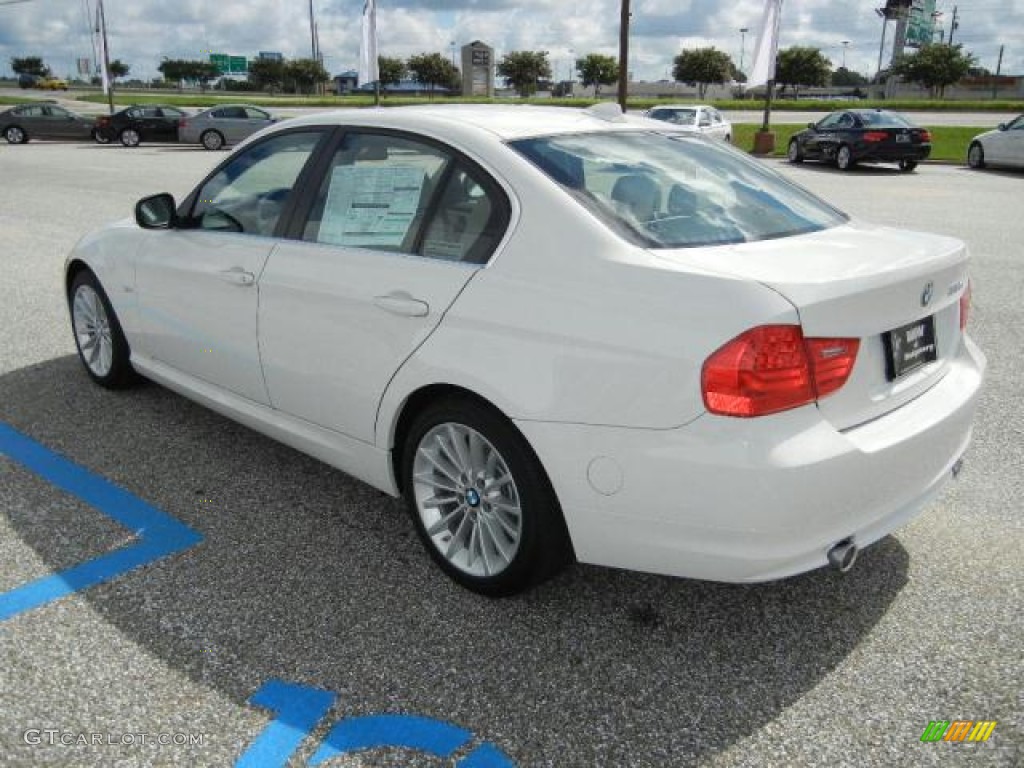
[557,334]
[1002,147]
[694,117]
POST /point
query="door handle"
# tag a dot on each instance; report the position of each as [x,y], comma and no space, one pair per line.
[401,303]
[238,276]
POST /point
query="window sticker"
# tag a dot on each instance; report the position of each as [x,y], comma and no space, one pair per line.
[371,206]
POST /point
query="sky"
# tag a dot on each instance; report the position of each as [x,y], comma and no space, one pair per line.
[142,32]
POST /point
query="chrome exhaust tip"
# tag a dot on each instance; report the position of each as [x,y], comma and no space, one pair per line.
[843,555]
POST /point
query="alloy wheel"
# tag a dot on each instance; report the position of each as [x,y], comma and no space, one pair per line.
[467,500]
[92,330]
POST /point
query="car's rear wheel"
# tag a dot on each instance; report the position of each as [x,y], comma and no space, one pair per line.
[844,158]
[100,137]
[480,500]
[212,140]
[793,153]
[908,165]
[101,344]
[976,156]
[130,137]
[15,135]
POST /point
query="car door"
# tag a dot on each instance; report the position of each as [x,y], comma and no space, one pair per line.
[198,284]
[256,120]
[823,136]
[59,123]
[1005,146]
[148,121]
[166,126]
[396,228]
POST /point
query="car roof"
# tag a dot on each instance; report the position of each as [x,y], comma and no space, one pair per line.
[681,106]
[507,122]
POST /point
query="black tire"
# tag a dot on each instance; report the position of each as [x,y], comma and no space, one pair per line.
[100,137]
[844,158]
[212,140]
[120,373]
[908,165]
[15,134]
[130,137]
[793,153]
[543,546]
[976,156]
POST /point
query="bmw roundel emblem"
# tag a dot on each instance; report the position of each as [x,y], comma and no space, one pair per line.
[926,294]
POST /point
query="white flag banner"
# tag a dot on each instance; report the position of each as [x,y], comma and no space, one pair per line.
[767,47]
[368,72]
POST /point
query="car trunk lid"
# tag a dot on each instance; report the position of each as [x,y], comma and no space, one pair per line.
[896,291]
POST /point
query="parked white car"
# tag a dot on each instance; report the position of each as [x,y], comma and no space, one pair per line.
[695,117]
[1003,146]
[555,332]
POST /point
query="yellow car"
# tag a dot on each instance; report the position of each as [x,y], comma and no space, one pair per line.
[52,84]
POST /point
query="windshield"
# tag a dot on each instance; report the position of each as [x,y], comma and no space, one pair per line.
[679,191]
[677,116]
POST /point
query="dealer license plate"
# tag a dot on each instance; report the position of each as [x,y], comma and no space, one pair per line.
[909,347]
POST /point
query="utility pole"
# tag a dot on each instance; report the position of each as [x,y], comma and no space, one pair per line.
[954,25]
[101,14]
[623,53]
[999,69]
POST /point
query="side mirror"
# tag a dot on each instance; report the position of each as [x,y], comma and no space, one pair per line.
[155,212]
[1002,126]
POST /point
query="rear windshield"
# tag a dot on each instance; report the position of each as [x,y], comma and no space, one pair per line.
[679,191]
[884,120]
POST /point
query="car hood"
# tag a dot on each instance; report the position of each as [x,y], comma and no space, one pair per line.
[986,134]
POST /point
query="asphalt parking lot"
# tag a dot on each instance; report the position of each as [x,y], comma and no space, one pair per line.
[298,619]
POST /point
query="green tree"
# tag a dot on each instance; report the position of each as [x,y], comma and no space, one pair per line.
[267,74]
[197,71]
[522,70]
[30,65]
[118,69]
[432,70]
[306,74]
[846,77]
[801,66]
[596,69]
[935,66]
[391,69]
[701,67]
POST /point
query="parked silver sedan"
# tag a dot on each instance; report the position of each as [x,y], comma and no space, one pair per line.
[219,126]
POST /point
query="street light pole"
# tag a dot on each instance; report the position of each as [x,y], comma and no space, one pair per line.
[623,53]
[743,46]
[845,43]
[106,56]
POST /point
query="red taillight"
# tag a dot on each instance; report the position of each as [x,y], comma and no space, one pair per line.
[774,368]
[926,136]
[965,306]
[182,122]
[876,136]
[103,121]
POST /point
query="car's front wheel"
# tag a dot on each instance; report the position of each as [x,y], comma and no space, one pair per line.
[480,500]
[212,140]
[976,156]
[100,137]
[130,137]
[101,344]
[15,135]
[844,158]
[793,153]
[908,165]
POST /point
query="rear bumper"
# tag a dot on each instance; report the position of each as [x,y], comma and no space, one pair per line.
[745,500]
[867,153]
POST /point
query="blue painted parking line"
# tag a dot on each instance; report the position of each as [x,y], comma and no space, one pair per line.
[158,534]
[299,709]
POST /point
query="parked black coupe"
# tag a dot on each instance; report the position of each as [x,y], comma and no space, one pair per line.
[862,136]
[133,125]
